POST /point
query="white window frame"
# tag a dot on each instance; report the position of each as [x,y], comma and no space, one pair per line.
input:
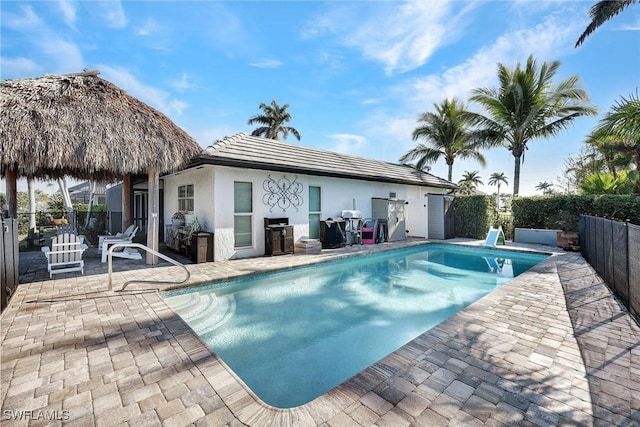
[187,201]
[243,215]
[318,213]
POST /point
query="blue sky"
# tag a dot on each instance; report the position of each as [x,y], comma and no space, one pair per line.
[355,74]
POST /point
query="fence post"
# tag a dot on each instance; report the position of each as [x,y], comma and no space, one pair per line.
[629,301]
[9,258]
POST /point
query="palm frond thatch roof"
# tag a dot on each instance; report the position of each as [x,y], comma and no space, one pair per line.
[83,126]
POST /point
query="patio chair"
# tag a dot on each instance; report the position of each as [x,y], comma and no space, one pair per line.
[129,233]
[65,254]
[129,253]
[66,228]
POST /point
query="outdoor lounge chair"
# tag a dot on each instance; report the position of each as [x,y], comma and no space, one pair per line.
[65,254]
[129,233]
[129,253]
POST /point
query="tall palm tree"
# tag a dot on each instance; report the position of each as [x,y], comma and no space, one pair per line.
[272,121]
[601,12]
[447,134]
[545,187]
[526,106]
[495,179]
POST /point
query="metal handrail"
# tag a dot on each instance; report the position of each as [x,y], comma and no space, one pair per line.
[147,249]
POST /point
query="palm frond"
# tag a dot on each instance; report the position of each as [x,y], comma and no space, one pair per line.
[600,13]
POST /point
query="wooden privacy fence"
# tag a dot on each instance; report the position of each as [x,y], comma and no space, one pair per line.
[8,260]
[612,248]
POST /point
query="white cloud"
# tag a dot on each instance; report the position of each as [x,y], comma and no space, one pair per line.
[149,28]
[68,8]
[347,143]
[157,98]
[635,26]
[112,12]
[18,68]
[207,136]
[66,54]
[28,21]
[226,31]
[400,36]
[546,41]
[46,46]
[183,83]
[266,63]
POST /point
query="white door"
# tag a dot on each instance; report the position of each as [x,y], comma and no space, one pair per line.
[416,214]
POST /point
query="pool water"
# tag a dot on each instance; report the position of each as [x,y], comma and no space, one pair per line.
[294,335]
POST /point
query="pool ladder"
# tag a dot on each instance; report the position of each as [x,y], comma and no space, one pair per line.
[147,249]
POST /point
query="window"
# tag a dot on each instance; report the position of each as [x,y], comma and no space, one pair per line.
[243,210]
[185,198]
[314,212]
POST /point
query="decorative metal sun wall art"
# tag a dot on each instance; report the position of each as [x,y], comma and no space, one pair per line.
[283,193]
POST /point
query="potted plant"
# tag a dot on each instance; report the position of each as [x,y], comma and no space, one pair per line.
[567,238]
[177,218]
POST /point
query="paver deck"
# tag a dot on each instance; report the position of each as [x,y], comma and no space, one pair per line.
[551,347]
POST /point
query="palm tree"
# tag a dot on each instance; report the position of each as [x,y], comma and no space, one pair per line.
[495,179]
[273,121]
[469,182]
[601,12]
[446,133]
[527,106]
[622,123]
[545,187]
[617,135]
[609,151]
[465,188]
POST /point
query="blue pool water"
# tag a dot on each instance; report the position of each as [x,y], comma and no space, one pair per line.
[294,335]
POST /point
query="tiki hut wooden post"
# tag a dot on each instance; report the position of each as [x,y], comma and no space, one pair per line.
[154,201]
[127,215]
[12,193]
[82,126]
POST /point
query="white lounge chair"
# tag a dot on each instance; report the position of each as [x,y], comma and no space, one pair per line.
[129,253]
[129,233]
[65,254]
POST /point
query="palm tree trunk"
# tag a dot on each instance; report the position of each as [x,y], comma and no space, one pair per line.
[450,173]
[516,176]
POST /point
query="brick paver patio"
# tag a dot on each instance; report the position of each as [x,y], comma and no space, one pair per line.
[551,347]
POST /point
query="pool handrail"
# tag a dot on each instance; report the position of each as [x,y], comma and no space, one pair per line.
[147,249]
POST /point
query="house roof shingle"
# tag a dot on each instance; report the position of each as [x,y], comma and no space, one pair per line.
[243,150]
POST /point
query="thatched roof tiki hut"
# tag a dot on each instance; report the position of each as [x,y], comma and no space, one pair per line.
[82,126]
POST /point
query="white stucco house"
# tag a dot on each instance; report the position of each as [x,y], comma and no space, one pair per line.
[239,181]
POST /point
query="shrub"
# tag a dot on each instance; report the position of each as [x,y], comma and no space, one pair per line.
[563,211]
[474,215]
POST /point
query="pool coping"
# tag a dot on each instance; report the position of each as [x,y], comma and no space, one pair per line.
[351,390]
[551,346]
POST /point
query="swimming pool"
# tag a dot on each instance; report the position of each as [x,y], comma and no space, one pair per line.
[292,336]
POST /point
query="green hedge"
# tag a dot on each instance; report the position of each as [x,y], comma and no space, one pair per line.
[562,212]
[474,215]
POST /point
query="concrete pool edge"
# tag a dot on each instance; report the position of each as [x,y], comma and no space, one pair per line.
[250,409]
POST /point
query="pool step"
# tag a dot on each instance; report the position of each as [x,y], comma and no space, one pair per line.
[204,312]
